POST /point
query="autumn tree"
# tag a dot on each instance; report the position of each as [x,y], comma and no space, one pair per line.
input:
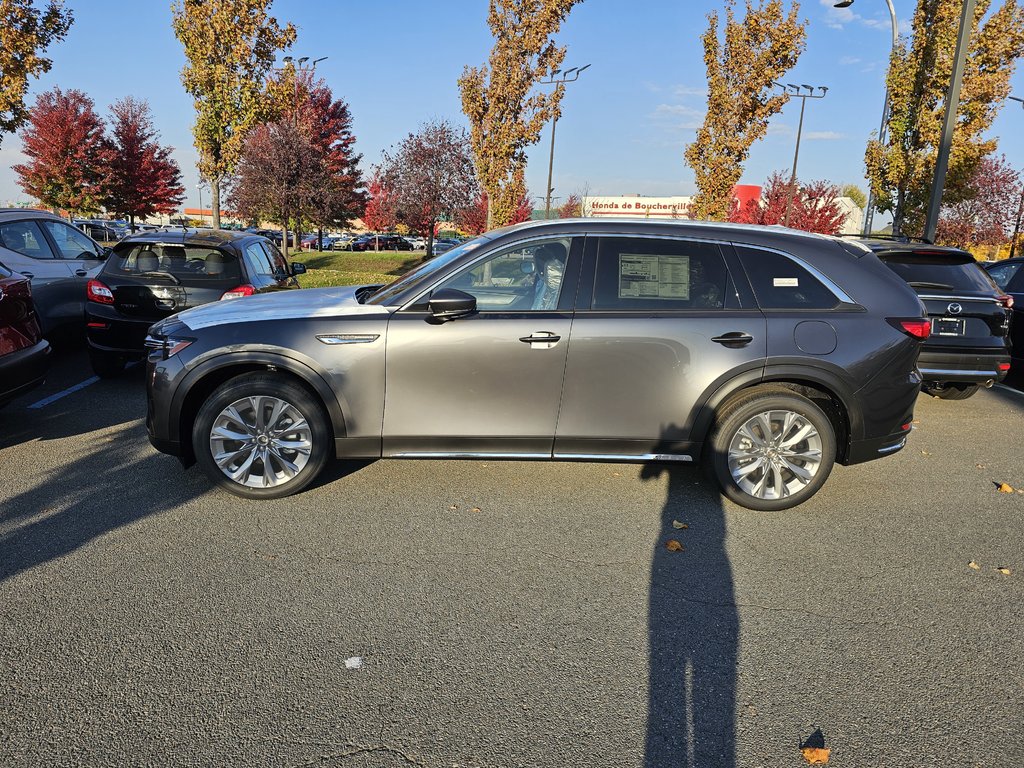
[988,210]
[742,64]
[855,193]
[68,154]
[816,206]
[430,174]
[572,207]
[473,220]
[25,34]
[143,178]
[901,171]
[230,46]
[379,213]
[278,173]
[505,114]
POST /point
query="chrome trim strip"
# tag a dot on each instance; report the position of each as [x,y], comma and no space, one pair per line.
[958,299]
[955,372]
[892,448]
[466,455]
[347,338]
[625,456]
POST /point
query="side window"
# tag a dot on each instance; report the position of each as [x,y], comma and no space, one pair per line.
[257,262]
[26,238]
[780,282]
[1004,273]
[522,278]
[659,275]
[71,243]
[277,260]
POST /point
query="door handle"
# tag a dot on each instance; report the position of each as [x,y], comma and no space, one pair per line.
[733,339]
[540,337]
[29,275]
[81,273]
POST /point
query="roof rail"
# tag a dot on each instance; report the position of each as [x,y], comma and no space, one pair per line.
[894,238]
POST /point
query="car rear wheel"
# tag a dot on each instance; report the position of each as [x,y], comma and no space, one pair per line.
[771,450]
[106,365]
[950,391]
[262,436]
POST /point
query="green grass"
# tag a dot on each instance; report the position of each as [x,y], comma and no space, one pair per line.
[328,268]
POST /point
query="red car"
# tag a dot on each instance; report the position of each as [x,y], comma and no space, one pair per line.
[24,354]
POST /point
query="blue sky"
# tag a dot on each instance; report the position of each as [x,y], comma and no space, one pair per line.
[625,122]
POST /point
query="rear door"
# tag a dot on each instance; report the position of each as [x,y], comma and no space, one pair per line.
[659,323]
[27,251]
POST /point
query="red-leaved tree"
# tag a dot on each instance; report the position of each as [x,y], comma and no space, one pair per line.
[572,207]
[990,210]
[379,214]
[473,218]
[431,176]
[143,179]
[68,155]
[815,206]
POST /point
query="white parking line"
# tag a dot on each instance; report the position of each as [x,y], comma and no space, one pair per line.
[70,390]
[1005,388]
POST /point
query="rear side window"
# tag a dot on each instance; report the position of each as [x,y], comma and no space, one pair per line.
[257,260]
[938,271]
[1002,274]
[26,238]
[187,263]
[780,282]
[659,275]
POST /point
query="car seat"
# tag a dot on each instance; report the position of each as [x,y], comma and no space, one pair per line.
[147,261]
[215,263]
[174,258]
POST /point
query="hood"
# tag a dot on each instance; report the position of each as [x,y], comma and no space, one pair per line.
[281,305]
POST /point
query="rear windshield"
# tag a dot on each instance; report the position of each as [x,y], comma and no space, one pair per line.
[937,271]
[185,263]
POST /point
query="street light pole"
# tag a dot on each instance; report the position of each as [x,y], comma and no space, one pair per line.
[869,211]
[575,73]
[1020,208]
[949,121]
[199,187]
[794,91]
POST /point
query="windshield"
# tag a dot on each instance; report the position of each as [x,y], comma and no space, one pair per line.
[423,272]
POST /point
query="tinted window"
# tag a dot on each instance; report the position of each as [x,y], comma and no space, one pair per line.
[780,282]
[187,263]
[939,271]
[26,238]
[659,274]
[277,260]
[71,243]
[1002,274]
[521,278]
[257,262]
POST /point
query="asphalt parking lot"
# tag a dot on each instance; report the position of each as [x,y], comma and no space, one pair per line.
[503,614]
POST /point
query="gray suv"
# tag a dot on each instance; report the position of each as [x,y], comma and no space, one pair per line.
[764,353]
[58,260]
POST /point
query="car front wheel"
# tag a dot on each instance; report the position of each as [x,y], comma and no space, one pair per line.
[771,450]
[261,436]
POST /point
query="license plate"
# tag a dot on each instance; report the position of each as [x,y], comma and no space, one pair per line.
[948,326]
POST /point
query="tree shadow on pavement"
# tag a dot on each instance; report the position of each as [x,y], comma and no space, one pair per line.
[693,628]
[99,488]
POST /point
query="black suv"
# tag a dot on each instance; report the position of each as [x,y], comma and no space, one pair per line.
[768,354]
[150,276]
[970,316]
[1009,276]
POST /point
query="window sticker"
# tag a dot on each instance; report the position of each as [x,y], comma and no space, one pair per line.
[650,276]
[786,282]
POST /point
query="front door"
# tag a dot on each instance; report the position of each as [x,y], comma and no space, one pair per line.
[490,383]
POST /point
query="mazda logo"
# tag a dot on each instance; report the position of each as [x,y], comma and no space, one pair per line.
[954,309]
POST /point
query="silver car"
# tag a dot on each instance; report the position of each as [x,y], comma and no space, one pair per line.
[58,259]
[766,354]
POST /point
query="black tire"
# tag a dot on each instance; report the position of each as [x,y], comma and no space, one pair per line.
[779,485]
[950,391]
[269,461]
[106,365]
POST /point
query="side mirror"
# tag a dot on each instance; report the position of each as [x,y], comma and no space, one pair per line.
[298,268]
[105,253]
[527,268]
[450,303]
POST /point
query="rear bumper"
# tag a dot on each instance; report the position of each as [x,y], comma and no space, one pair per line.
[860,451]
[964,367]
[109,331]
[23,370]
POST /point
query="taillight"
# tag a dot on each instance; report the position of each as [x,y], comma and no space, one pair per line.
[918,328]
[1002,367]
[1006,302]
[98,292]
[239,292]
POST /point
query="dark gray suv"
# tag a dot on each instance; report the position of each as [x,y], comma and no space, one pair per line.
[766,353]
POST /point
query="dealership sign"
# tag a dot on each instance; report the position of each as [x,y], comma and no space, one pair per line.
[634,205]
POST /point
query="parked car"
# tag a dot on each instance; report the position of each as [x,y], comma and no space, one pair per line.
[24,353]
[57,258]
[104,231]
[768,354]
[1009,276]
[379,243]
[443,246]
[968,347]
[151,276]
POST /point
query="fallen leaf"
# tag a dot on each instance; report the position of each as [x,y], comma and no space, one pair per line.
[1005,488]
[980,466]
[974,565]
[816,755]
[673,546]
[453,507]
[475,509]
[1003,570]
[925,453]
[616,474]
[679,526]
